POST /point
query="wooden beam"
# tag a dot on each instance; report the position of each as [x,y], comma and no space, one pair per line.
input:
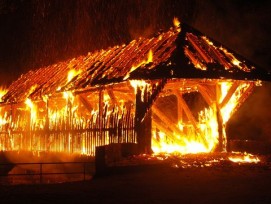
[113,97]
[189,115]
[244,96]
[186,110]
[206,94]
[166,120]
[163,129]
[229,95]
[85,102]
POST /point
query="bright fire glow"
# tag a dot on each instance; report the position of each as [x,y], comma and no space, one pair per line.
[228,109]
[72,73]
[33,109]
[244,158]
[3,91]
[204,139]
[142,85]
[202,136]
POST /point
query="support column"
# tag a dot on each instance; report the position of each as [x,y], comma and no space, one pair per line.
[220,124]
[143,124]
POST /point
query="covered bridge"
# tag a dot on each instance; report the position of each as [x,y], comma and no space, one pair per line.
[172,92]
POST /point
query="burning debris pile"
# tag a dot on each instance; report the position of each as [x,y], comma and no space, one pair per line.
[173,92]
[192,161]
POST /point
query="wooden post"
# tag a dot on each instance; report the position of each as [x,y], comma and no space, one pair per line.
[101,96]
[142,126]
[221,136]
[46,128]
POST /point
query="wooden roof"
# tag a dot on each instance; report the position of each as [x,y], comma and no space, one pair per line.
[180,52]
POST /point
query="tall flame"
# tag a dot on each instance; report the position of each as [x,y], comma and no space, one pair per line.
[33,110]
[203,134]
[189,141]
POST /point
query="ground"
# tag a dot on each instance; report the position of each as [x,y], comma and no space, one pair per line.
[155,183]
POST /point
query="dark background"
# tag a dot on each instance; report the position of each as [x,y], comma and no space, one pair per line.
[35,33]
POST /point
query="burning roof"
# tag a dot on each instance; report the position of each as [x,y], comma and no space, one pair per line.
[181,52]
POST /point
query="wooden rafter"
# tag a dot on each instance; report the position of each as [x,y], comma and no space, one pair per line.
[186,110]
[163,129]
[244,96]
[229,94]
[165,119]
[113,97]
[85,102]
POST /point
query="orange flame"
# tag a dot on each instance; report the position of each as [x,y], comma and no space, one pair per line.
[177,24]
[3,91]
[244,158]
[72,73]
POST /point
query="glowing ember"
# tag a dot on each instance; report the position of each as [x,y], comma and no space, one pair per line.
[244,158]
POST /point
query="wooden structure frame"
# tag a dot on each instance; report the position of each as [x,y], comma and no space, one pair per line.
[90,101]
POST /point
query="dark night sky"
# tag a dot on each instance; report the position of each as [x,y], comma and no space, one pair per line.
[36,33]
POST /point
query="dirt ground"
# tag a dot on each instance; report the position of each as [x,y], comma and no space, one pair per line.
[156,183]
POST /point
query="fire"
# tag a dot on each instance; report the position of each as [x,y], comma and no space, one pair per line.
[244,158]
[141,84]
[201,134]
[235,61]
[33,110]
[229,108]
[72,73]
[150,57]
[177,24]
[68,96]
[190,141]
[3,91]
[141,63]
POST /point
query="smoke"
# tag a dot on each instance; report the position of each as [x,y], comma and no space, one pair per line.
[241,26]
[252,120]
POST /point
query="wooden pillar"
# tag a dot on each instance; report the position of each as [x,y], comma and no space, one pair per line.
[220,130]
[220,124]
[143,124]
[46,128]
[101,97]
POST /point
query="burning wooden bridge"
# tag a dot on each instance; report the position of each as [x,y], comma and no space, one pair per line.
[172,92]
